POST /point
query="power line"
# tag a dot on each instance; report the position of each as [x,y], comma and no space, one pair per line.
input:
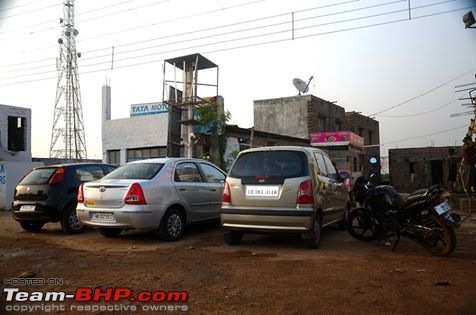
[222,34]
[163,22]
[122,31]
[214,51]
[50,21]
[27,12]
[422,113]
[213,28]
[427,135]
[424,93]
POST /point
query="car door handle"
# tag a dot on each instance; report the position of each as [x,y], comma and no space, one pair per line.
[213,189]
[182,189]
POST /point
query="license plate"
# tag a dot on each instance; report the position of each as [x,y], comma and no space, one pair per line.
[102,216]
[27,208]
[443,207]
[262,191]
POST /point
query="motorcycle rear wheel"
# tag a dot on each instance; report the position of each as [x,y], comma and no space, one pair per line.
[441,240]
[362,225]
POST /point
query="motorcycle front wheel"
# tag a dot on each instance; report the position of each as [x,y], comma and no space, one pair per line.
[362,225]
[440,238]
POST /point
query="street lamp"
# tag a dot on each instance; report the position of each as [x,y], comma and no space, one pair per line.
[468,19]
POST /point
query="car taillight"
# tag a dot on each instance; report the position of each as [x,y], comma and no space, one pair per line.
[80,194]
[305,194]
[135,195]
[57,176]
[226,193]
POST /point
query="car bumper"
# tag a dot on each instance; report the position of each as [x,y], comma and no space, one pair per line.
[290,220]
[141,217]
[42,212]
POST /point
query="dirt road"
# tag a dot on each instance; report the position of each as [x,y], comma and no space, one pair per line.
[263,275]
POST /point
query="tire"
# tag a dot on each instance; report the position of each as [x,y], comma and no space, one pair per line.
[70,222]
[315,239]
[441,240]
[31,226]
[172,225]
[233,237]
[110,232]
[362,226]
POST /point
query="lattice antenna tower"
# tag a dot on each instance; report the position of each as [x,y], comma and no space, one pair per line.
[67,137]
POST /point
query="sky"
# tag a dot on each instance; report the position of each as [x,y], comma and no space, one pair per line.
[401,66]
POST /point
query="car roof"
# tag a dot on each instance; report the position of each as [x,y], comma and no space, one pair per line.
[283,148]
[169,159]
[73,164]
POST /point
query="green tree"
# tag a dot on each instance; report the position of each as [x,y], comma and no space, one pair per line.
[215,120]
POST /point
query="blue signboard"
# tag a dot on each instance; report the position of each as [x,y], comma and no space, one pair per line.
[148,109]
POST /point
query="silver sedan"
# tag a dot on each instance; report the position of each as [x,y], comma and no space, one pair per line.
[164,194]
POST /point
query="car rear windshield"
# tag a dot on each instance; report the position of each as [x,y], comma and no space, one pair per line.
[39,176]
[286,164]
[136,171]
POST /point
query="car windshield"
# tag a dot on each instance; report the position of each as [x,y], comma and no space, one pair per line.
[39,176]
[287,164]
[136,171]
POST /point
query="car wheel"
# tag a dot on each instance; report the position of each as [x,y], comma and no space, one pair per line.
[31,226]
[110,232]
[172,225]
[233,237]
[70,222]
[315,239]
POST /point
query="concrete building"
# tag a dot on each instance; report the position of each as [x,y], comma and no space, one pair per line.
[239,139]
[297,116]
[142,135]
[300,116]
[415,168]
[368,128]
[15,150]
[15,133]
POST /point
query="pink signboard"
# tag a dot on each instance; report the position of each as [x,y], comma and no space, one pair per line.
[336,138]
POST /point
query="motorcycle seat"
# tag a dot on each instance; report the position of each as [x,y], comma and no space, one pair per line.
[413,197]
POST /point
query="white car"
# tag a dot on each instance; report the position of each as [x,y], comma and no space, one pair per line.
[156,194]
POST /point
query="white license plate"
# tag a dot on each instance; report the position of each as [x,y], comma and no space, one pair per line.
[262,191]
[103,217]
[27,208]
[443,207]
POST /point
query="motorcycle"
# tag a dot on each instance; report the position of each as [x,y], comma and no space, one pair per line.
[424,216]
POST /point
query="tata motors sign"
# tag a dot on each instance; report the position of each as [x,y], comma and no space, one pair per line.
[148,109]
[336,138]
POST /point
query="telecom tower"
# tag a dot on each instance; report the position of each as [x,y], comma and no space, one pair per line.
[67,136]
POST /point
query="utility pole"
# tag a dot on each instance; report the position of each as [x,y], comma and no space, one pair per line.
[67,136]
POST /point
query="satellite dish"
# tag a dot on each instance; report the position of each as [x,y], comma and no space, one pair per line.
[301,85]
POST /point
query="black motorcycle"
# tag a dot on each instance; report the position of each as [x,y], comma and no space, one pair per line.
[385,214]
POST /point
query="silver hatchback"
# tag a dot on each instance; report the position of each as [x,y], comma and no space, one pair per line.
[164,194]
[283,189]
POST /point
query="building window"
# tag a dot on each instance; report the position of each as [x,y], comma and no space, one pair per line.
[355,164]
[16,133]
[370,137]
[146,153]
[322,124]
[361,132]
[114,157]
[338,125]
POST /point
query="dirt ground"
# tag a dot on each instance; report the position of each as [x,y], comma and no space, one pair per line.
[263,275]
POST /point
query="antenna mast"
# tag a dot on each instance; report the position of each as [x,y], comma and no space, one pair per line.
[67,136]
